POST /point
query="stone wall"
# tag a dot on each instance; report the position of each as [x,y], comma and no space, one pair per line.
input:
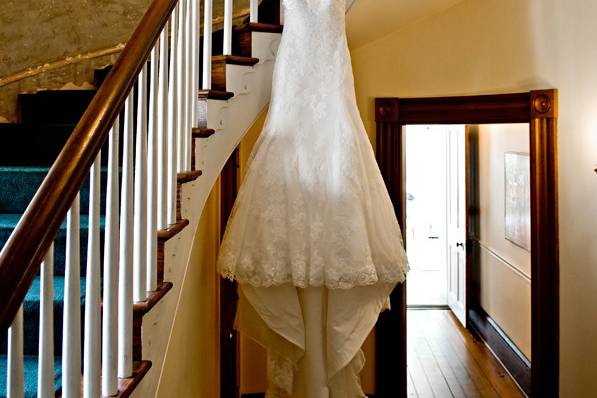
[53,44]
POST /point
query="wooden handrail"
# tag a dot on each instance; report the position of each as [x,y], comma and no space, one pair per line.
[22,255]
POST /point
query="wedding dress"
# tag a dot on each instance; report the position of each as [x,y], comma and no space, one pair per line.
[313,239]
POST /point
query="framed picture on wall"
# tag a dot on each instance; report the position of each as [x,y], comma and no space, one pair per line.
[517,203]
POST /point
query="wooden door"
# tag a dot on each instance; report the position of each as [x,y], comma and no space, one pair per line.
[229,383]
[456,212]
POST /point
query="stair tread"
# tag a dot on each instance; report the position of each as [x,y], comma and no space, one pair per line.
[188,176]
[24,169]
[34,293]
[30,379]
[20,183]
[8,220]
[58,91]
[260,27]
[31,310]
[215,94]
[235,60]
[202,132]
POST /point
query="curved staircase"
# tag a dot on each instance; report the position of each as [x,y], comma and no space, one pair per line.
[238,90]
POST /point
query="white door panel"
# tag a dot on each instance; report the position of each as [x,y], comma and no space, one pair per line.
[456,171]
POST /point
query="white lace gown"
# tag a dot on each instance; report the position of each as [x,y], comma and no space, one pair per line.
[313,239]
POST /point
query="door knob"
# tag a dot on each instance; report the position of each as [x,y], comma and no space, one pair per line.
[460,244]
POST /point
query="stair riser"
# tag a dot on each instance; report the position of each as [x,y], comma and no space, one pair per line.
[31,145]
[54,106]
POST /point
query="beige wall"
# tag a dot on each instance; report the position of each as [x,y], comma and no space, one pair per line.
[192,363]
[493,46]
[505,267]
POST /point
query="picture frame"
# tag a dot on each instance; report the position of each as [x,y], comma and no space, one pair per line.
[517,199]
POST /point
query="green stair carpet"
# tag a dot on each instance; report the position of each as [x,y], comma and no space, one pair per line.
[18,184]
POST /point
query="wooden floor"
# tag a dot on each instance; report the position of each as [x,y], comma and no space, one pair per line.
[445,361]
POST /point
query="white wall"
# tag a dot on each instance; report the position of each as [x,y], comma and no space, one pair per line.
[505,267]
[493,46]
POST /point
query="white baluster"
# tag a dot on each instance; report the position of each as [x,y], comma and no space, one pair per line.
[92,335]
[194,86]
[181,106]
[188,83]
[71,328]
[207,30]
[163,123]
[45,369]
[111,247]
[151,280]
[140,211]
[14,382]
[254,7]
[172,118]
[125,287]
[228,27]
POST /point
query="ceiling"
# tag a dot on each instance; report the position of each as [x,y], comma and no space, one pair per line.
[369,20]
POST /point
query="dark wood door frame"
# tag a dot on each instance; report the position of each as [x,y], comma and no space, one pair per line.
[229,380]
[540,110]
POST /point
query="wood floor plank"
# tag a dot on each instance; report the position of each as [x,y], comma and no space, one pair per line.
[468,360]
[494,372]
[419,377]
[440,343]
[411,389]
[436,378]
[447,371]
[463,378]
[444,361]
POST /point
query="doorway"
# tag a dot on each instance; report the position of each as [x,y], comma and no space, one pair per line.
[538,109]
[435,169]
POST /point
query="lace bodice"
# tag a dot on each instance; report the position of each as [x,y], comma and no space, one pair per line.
[313,209]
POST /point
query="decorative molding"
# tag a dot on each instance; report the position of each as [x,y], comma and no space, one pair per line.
[477,109]
[507,263]
[515,362]
[37,70]
[537,108]
[544,104]
[386,109]
[218,23]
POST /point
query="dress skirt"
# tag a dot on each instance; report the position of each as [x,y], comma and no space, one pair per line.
[313,336]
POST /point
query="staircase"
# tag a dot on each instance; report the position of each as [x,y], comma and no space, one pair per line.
[235,89]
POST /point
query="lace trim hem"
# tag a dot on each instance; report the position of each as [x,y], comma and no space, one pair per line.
[343,283]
